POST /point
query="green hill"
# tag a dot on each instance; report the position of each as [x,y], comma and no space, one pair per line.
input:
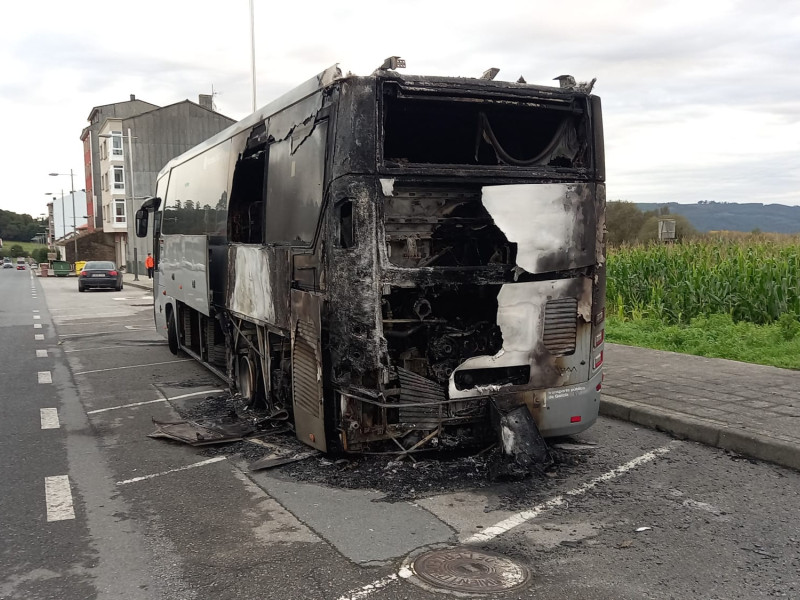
[715,216]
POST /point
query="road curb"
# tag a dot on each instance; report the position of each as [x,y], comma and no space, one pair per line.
[136,284]
[755,444]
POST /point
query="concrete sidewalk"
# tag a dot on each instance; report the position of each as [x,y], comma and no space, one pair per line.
[749,409]
[143,281]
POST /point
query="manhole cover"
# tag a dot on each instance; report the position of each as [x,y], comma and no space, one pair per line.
[470,571]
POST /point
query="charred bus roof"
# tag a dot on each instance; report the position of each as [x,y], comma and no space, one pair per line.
[453,87]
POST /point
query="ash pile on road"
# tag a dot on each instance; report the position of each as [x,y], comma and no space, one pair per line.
[398,479]
[435,473]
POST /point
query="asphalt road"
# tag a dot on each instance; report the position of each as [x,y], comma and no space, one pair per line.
[152,518]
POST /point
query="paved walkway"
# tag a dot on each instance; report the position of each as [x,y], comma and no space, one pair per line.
[749,409]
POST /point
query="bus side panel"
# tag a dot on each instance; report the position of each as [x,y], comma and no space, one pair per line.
[184,266]
[258,284]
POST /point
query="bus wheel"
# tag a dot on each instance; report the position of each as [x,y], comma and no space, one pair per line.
[246,378]
[172,333]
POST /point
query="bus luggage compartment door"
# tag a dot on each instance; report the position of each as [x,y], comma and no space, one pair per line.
[307,398]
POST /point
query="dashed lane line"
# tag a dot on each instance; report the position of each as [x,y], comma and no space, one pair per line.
[38,337]
[58,497]
[49,418]
[45,377]
[41,354]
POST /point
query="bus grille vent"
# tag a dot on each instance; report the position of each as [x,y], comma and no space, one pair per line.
[419,390]
[306,383]
[561,326]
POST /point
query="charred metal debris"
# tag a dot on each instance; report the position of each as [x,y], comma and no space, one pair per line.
[223,425]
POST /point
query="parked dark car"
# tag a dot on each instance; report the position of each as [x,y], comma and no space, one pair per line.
[99,274]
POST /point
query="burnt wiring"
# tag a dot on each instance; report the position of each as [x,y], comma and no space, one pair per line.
[486,133]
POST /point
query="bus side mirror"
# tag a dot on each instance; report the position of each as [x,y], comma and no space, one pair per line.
[141,222]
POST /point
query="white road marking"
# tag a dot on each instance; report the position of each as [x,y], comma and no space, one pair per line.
[192,466]
[521,517]
[76,335]
[37,325]
[45,377]
[369,588]
[135,404]
[41,354]
[132,405]
[96,348]
[36,317]
[103,314]
[195,394]
[49,418]
[35,310]
[168,362]
[140,328]
[58,497]
[526,515]
[38,337]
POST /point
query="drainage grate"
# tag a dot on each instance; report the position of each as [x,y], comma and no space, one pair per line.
[470,571]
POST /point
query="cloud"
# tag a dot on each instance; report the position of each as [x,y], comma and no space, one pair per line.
[700,99]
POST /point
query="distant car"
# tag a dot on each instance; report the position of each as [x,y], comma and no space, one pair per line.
[99,274]
[21,264]
[8,265]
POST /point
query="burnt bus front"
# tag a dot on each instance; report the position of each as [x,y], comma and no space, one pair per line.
[466,273]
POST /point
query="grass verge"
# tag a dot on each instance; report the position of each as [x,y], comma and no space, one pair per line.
[715,336]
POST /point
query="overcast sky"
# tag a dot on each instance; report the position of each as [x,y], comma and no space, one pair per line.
[701,98]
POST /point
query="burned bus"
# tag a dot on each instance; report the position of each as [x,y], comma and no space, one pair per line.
[391,261]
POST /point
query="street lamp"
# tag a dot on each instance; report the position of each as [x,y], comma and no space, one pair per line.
[72,191]
[129,208]
[253,52]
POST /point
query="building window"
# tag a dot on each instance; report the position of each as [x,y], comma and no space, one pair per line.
[119,178]
[116,144]
[119,211]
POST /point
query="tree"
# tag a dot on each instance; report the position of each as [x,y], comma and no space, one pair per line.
[40,255]
[17,250]
[624,220]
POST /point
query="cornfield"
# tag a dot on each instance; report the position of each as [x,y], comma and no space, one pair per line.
[752,280]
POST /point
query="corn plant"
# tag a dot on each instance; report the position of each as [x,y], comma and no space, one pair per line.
[753,280]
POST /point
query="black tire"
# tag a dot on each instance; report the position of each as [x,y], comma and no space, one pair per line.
[216,352]
[172,334]
[81,288]
[119,289]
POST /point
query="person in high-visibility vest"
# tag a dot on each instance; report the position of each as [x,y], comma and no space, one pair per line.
[150,264]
